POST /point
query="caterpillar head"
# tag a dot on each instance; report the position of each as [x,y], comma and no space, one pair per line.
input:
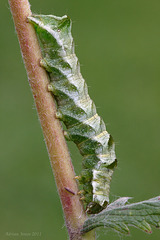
[55,33]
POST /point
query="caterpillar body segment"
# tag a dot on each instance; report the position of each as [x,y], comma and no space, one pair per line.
[75,108]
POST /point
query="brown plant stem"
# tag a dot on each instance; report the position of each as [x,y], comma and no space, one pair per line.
[53,133]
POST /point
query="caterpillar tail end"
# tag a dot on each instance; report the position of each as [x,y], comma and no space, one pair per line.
[94,208]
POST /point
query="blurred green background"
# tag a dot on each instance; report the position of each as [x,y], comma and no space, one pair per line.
[118,45]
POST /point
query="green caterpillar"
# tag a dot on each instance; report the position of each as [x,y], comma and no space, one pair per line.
[75,108]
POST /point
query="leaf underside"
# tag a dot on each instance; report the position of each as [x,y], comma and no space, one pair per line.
[118,216]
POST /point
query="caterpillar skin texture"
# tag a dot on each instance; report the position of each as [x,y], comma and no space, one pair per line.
[75,108]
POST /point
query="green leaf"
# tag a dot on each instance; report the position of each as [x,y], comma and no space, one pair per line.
[118,216]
